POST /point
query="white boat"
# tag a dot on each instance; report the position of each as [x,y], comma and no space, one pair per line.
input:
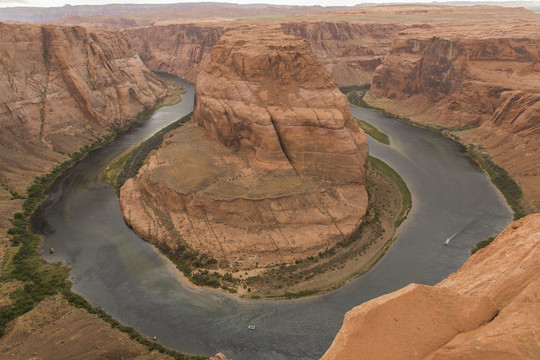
[445,243]
[251,327]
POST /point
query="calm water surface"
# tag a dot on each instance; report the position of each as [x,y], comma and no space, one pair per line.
[113,268]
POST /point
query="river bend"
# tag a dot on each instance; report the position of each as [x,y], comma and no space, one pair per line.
[115,269]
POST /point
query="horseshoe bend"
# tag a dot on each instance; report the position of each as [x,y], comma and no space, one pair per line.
[270,171]
[267,189]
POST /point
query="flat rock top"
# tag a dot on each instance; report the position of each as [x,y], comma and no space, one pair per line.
[204,166]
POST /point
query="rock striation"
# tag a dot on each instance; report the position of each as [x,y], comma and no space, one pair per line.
[61,88]
[350,52]
[475,80]
[179,49]
[487,309]
[272,169]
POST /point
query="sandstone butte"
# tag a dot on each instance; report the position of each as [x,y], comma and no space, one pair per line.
[488,309]
[61,87]
[482,83]
[272,168]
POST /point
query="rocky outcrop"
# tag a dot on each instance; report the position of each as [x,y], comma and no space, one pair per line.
[350,52]
[487,309]
[179,49]
[273,170]
[61,88]
[487,82]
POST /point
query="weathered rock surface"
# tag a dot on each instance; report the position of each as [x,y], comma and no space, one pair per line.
[54,329]
[61,88]
[480,79]
[487,309]
[350,52]
[179,49]
[275,169]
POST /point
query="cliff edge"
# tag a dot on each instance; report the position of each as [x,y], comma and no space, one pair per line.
[487,309]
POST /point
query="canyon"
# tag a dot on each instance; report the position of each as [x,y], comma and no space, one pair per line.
[476,78]
[276,163]
[484,86]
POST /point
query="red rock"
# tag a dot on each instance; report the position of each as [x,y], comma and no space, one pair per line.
[482,78]
[274,172]
[61,87]
[487,309]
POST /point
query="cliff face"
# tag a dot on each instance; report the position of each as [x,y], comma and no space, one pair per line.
[489,82]
[275,169]
[350,52]
[62,87]
[179,49]
[487,309]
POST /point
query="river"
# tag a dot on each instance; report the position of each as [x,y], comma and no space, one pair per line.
[131,280]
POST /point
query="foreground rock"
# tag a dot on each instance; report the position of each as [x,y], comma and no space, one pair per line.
[482,81]
[61,88]
[488,309]
[56,330]
[274,169]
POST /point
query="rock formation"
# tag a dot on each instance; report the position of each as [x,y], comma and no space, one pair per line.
[179,49]
[273,171]
[487,309]
[350,52]
[473,78]
[61,88]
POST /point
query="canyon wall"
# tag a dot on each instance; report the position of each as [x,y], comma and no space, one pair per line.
[179,49]
[487,309]
[350,52]
[61,88]
[486,86]
[276,163]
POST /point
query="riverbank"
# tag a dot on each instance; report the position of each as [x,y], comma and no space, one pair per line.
[36,298]
[500,177]
[389,203]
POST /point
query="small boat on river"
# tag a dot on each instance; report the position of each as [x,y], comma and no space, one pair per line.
[251,327]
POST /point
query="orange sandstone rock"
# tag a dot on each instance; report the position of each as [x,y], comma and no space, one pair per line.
[60,88]
[275,169]
[483,78]
[488,309]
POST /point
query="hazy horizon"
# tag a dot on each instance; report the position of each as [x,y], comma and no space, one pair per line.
[60,3]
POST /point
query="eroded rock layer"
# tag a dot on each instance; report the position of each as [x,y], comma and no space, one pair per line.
[350,52]
[179,49]
[487,309]
[272,168]
[61,88]
[477,79]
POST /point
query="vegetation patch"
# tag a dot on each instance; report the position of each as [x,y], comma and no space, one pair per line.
[373,131]
[131,164]
[482,244]
[504,182]
[406,198]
